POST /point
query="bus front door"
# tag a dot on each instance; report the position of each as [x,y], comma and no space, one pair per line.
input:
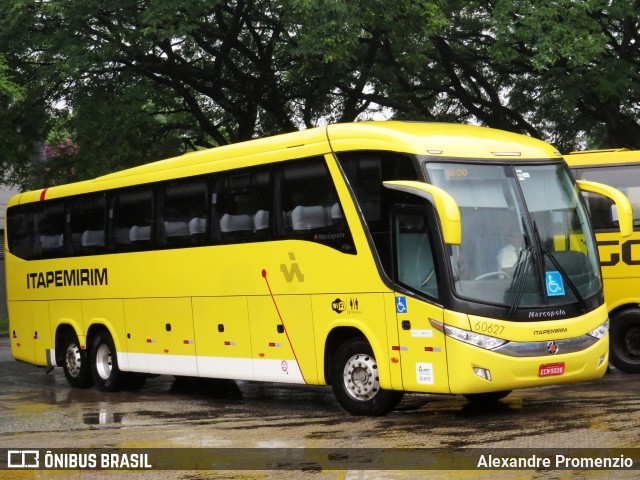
[422,348]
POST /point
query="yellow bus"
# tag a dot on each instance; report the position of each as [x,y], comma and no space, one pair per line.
[364,256]
[619,257]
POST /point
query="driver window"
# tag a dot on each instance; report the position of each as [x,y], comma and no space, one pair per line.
[415,265]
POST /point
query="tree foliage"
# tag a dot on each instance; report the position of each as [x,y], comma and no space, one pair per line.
[581,62]
[132,81]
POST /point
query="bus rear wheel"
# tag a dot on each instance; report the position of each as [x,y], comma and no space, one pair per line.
[104,364]
[624,341]
[76,363]
[355,380]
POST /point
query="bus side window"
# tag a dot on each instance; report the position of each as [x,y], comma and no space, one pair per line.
[131,216]
[242,205]
[87,222]
[183,213]
[365,171]
[310,209]
[306,193]
[50,227]
[21,231]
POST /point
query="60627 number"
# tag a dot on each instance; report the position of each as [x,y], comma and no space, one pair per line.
[485,327]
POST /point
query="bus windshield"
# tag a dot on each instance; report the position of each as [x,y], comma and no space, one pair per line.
[525,235]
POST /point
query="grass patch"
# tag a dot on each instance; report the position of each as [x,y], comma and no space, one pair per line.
[4,325]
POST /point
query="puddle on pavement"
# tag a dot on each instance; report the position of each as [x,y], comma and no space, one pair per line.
[102,418]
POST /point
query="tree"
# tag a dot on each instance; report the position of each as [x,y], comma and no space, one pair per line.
[198,73]
[9,91]
[131,81]
[17,126]
[580,62]
[560,70]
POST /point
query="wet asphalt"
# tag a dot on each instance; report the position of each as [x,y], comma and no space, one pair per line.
[40,410]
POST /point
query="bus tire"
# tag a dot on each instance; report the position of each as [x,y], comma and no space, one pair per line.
[75,364]
[624,340]
[104,364]
[488,397]
[355,380]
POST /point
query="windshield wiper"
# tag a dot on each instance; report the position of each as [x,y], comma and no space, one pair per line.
[519,277]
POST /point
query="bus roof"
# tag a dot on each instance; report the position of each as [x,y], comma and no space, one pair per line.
[441,139]
[445,139]
[602,157]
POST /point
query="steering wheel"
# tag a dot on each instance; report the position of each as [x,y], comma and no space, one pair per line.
[498,275]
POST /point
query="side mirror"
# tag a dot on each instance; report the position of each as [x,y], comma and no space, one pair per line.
[623,206]
[445,206]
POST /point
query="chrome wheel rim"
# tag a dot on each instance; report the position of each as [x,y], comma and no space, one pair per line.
[361,377]
[73,360]
[103,361]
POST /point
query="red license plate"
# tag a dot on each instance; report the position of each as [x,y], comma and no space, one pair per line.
[551,369]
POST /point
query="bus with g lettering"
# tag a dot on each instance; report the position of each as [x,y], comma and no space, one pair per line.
[375,257]
[619,257]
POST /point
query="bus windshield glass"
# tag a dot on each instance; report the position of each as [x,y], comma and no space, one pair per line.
[525,235]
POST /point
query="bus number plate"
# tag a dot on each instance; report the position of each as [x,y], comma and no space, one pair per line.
[551,369]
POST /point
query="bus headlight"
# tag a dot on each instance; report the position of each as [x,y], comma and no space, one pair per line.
[473,338]
[601,331]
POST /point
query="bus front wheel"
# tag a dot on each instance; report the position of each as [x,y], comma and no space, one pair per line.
[624,340]
[104,365]
[355,380]
[76,363]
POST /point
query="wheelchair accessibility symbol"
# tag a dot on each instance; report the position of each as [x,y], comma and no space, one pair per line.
[555,286]
[401,304]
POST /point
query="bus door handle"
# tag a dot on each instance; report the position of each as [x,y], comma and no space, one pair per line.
[406,325]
